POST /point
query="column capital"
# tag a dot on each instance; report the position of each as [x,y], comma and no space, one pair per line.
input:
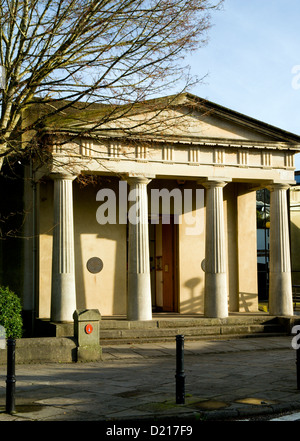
[138,179]
[214,182]
[278,186]
[63,175]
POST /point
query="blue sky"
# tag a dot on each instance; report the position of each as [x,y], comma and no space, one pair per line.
[253,47]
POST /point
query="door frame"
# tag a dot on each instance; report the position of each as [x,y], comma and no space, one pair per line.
[159,262]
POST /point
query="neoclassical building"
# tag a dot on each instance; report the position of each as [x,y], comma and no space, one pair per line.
[164,220]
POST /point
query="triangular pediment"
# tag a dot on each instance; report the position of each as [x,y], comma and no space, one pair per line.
[194,123]
[181,116]
[194,117]
[220,122]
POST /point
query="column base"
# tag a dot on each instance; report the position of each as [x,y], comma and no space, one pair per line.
[139,297]
[63,299]
[280,295]
[216,298]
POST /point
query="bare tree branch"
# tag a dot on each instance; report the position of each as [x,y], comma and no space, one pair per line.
[66,55]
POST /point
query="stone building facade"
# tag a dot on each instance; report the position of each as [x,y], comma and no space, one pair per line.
[165,221]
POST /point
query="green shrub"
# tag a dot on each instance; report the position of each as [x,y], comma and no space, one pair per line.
[10,313]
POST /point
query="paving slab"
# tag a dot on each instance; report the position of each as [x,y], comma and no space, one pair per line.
[223,381]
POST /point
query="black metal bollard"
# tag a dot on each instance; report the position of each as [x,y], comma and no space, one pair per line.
[180,376]
[10,378]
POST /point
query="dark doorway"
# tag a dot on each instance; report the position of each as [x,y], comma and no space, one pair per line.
[163,263]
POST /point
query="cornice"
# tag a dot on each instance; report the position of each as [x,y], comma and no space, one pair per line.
[192,141]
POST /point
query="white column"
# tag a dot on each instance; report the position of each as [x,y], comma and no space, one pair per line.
[63,294]
[280,283]
[216,295]
[139,304]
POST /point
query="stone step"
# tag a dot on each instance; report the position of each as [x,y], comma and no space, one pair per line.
[116,336]
[63,348]
[166,327]
[45,328]
[162,339]
[109,324]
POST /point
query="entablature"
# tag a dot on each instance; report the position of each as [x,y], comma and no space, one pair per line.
[180,157]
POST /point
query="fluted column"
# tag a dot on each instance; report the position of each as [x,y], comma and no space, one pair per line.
[280,284]
[216,295]
[139,304]
[63,293]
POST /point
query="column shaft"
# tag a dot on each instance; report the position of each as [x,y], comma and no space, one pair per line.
[216,296]
[63,294]
[139,304]
[280,284]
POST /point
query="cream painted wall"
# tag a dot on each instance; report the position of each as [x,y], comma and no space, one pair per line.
[247,249]
[295,232]
[45,226]
[230,213]
[106,290]
[191,254]
[240,227]
[191,275]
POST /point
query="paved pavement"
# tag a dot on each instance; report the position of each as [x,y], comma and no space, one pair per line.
[224,380]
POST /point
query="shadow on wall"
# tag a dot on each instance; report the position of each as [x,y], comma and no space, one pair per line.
[246,301]
[196,299]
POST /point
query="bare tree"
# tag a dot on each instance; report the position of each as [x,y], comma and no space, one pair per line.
[62,56]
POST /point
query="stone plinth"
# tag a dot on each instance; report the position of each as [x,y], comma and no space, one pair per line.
[87,334]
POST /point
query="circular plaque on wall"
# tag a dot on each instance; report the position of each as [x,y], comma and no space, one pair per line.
[203,265]
[94,265]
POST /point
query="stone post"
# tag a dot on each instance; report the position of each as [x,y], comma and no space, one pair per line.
[280,283]
[139,303]
[216,295]
[87,334]
[63,293]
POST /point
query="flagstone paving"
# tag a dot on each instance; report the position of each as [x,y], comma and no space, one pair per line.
[223,380]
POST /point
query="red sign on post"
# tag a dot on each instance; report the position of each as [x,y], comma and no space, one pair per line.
[88,329]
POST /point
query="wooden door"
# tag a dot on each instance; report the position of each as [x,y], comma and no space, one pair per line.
[168,266]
